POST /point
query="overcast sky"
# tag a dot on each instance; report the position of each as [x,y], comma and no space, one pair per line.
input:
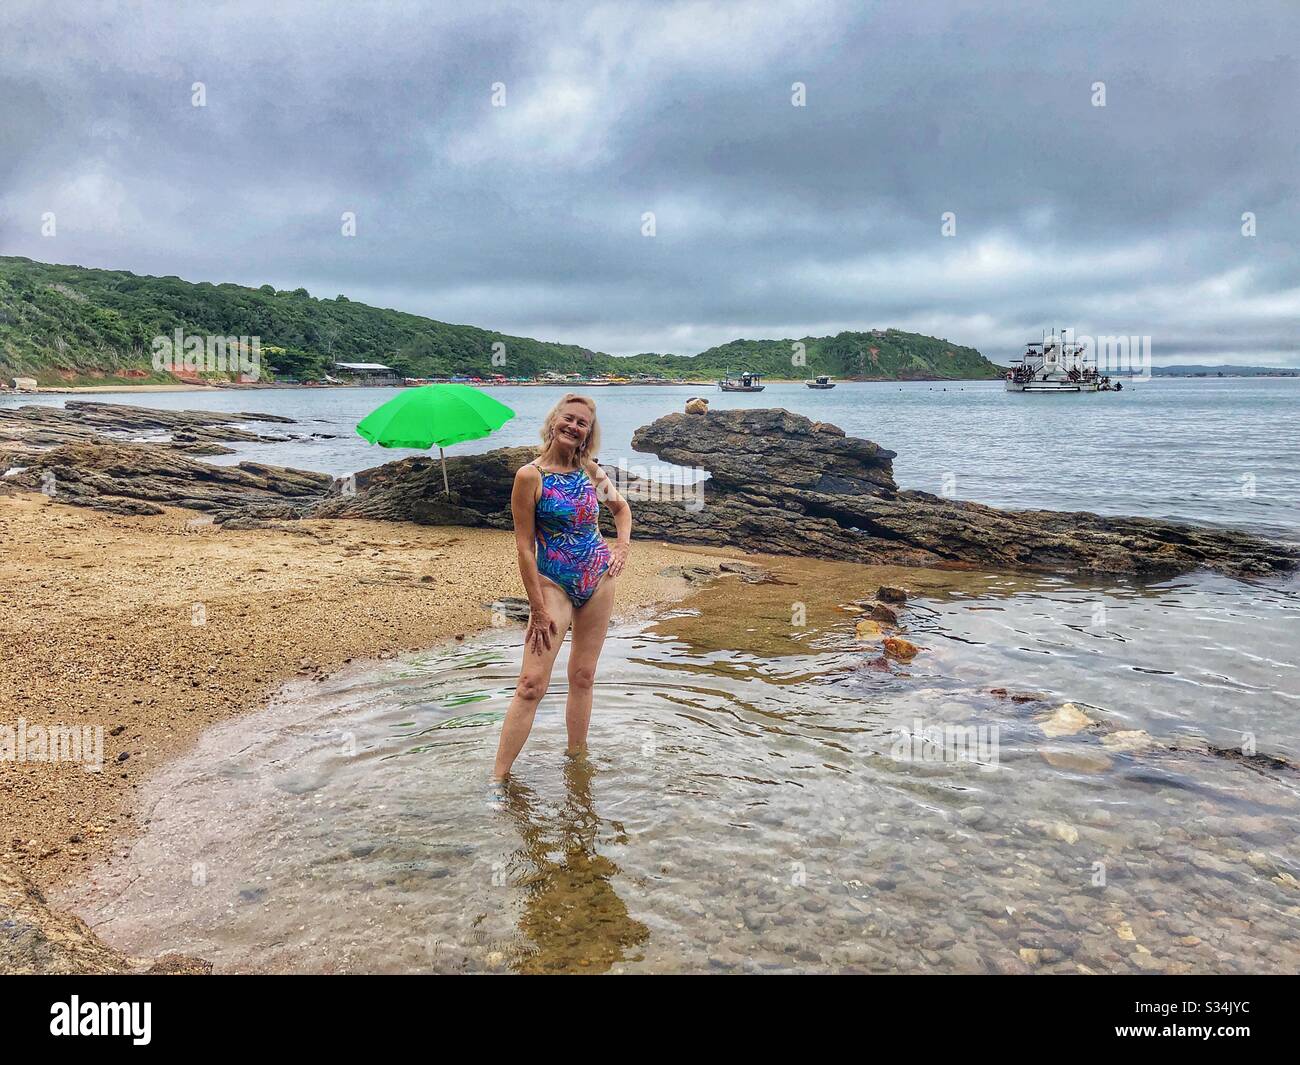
[771,220]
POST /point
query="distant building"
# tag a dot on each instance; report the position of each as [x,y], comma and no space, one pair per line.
[367,373]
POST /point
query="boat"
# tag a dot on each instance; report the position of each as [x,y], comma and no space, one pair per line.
[1056,364]
[747,382]
[821,381]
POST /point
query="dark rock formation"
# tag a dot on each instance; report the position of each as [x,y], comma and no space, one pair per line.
[40,940]
[36,427]
[778,482]
[783,484]
[792,486]
[411,490]
[132,478]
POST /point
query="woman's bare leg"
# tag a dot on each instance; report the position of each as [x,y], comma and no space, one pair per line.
[590,625]
[534,678]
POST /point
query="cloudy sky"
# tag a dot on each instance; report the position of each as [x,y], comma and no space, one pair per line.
[770,220]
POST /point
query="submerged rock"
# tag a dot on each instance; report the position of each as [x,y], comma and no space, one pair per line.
[897,647]
[35,939]
[1066,720]
[1076,759]
[883,614]
[1132,741]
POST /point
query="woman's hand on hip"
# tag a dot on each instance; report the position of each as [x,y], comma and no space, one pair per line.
[618,557]
[541,627]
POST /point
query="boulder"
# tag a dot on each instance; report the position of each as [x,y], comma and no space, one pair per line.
[38,940]
[882,613]
[833,496]
[903,650]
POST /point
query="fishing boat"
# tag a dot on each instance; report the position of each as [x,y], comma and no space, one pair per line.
[747,382]
[1056,364]
[822,381]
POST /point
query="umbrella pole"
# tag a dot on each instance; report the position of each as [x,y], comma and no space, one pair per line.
[445,488]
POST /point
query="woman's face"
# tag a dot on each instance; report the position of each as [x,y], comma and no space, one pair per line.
[572,424]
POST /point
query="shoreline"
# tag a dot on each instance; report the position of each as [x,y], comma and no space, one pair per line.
[156,627]
[125,388]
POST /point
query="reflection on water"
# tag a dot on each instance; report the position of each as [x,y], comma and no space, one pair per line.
[572,917]
[747,804]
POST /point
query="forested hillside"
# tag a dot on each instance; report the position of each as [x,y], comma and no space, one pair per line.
[71,324]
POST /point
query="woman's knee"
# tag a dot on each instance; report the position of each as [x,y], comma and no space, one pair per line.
[531,688]
[582,677]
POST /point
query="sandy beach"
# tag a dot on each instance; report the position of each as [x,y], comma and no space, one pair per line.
[157,627]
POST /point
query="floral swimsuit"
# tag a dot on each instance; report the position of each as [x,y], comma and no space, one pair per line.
[570,550]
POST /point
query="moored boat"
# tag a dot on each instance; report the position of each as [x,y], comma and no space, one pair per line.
[1055,364]
[821,381]
[747,382]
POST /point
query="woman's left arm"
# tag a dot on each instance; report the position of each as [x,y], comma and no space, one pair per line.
[618,507]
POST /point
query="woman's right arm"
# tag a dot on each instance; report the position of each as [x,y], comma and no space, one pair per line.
[523,506]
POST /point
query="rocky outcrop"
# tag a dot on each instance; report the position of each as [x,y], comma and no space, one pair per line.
[777,482]
[38,427]
[40,940]
[134,478]
[784,484]
[412,490]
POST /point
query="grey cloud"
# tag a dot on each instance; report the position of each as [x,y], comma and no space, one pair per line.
[772,220]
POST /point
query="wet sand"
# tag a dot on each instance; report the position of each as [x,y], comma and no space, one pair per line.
[157,627]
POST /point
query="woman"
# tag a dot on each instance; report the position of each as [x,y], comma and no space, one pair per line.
[567,568]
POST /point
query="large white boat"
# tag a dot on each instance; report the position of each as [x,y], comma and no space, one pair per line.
[1056,364]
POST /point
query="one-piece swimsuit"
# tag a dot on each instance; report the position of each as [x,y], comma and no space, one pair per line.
[570,550]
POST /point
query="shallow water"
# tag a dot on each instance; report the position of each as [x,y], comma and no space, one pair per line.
[1222,451]
[748,804]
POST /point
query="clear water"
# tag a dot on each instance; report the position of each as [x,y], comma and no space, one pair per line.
[746,805]
[1219,451]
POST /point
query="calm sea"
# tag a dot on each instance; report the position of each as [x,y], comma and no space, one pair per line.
[748,805]
[1221,451]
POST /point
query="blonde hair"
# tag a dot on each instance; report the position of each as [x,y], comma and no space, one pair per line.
[591,446]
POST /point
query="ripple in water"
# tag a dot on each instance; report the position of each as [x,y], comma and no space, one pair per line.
[749,803]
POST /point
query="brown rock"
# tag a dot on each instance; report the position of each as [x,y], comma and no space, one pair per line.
[897,647]
[885,615]
[41,940]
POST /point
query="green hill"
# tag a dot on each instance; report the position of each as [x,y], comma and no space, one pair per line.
[74,325]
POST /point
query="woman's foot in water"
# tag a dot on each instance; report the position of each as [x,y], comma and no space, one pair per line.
[496,795]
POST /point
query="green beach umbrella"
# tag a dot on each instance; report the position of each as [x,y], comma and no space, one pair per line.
[434,416]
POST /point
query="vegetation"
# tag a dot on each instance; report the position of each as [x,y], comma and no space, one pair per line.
[73,325]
